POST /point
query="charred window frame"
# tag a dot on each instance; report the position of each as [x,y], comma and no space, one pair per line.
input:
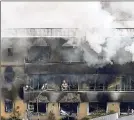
[96,106]
[69,108]
[8,106]
[38,107]
[10,51]
[125,107]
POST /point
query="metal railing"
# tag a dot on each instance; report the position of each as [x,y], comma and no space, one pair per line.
[39,32]
[77,89]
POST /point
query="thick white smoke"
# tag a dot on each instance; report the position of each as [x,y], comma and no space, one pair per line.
[94,22]
[121,10]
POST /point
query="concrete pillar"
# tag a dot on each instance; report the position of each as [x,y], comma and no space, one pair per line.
[82,111]
[55,108]
[113,106]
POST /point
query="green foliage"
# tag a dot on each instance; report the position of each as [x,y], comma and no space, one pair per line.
[96,114]
[51,116]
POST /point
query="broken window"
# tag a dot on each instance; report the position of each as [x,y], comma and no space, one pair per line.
[68,109]
[10,51]
[126,107]
[96,106]
[8,106]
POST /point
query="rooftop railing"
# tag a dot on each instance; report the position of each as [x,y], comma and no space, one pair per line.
[39,32]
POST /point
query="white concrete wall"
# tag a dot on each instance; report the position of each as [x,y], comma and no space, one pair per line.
[108,117]
[130,117]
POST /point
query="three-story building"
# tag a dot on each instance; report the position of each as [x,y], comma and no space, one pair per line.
[50,74]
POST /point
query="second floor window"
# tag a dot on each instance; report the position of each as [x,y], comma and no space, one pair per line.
[8,106]
[37,107]
[9,74]
[10,51]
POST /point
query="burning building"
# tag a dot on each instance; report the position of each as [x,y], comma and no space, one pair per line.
[43,72]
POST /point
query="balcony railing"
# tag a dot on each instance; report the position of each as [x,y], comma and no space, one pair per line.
[83,82]
[39,32]
[100,88]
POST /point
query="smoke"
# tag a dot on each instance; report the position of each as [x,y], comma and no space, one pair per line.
[96,37]
[121,10]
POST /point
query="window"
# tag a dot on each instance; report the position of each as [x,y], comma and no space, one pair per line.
[68,109]
[10,51]
[31,107]
[126,107]
[37,107]
[9,74]
[8,106]
[42,107]
[95,106]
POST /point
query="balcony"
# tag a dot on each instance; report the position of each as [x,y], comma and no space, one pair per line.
[80,87]
[80,82]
